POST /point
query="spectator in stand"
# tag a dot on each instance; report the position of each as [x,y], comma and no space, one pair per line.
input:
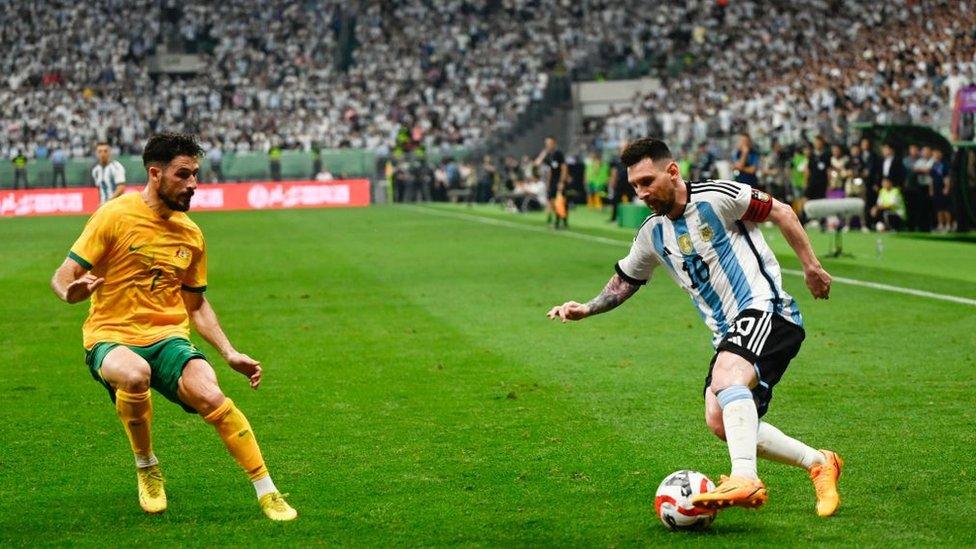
[940,190]
[19,161]
[889,211]
[745,162]
[870,174]
[487,177]
[922,169]
[469,179]
[891,166]
[839,173]
[912,191]
[772,173]
[439,193]
[511,174]
[704,167]
[59,159]
[818,166]
[216,157]
[274,162]
[856,187]
[424,176]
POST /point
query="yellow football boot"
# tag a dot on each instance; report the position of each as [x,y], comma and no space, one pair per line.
[152,496]
[276,508]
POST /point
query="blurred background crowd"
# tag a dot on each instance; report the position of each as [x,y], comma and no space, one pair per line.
[408,78]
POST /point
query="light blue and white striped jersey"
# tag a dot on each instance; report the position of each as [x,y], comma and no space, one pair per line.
[719,258]
[107,178]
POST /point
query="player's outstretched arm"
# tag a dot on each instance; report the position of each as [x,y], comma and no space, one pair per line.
[72,283]
[817,279]
[205,321]
[614,293]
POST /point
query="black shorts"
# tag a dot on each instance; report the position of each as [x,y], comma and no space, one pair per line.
[552,191]
[769,342]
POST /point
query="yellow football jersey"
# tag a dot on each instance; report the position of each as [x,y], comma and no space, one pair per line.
[146,260]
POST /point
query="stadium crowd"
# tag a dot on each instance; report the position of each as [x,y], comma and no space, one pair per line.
[452,72]
[791,70]
[447,73]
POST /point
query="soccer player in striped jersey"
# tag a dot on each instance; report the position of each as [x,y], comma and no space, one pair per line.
[108,174]
[705,235]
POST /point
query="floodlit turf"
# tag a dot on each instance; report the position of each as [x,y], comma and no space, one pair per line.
[416,395]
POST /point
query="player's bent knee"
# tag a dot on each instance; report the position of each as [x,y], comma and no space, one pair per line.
[205,399]
[199,389]
[131,376]
[731,369]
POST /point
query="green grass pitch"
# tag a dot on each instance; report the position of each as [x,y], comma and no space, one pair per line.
[415,394]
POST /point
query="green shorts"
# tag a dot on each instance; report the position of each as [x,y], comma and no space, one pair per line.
[166,359]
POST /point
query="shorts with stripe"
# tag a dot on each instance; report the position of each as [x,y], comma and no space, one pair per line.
[769,342]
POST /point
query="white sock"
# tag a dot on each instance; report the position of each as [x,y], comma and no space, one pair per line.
[264,486]
[741,421]
[146,461]
[776,446]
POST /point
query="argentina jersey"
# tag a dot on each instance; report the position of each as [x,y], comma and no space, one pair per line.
[107,178]
[716,253]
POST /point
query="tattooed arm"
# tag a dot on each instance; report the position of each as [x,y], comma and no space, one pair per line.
[616,292]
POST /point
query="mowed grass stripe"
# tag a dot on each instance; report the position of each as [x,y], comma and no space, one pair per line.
[493,220]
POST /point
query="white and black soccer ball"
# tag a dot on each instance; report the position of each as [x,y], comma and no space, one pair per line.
[673,501]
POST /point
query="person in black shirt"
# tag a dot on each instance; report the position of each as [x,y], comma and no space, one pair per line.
[817,167]
[555,161]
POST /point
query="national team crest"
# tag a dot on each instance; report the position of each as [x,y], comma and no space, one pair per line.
[706,233]
[183,253]
[684,242]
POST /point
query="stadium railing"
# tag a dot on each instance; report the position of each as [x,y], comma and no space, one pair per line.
[235,167]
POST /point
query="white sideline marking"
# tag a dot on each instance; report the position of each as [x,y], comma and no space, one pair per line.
[621,243]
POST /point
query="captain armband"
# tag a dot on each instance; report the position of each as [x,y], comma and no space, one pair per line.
[760,204]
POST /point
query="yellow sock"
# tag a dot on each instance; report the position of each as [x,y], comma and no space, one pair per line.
[135,411]
[233,427]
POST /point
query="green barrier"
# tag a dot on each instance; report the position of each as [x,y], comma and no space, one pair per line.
[630,216]
[235,166]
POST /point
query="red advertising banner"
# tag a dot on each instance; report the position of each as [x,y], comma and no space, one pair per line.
[232,196]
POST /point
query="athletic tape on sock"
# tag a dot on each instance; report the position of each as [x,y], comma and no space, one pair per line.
[733,393]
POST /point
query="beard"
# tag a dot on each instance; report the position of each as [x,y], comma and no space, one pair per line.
[178,202]
[664,207]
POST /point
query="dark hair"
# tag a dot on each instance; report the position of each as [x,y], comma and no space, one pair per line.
[100,143]
[162,148]
[645,147]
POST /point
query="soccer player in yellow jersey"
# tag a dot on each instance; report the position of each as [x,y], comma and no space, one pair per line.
[144,264]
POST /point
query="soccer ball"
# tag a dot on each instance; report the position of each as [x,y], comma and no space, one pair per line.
[673,501]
